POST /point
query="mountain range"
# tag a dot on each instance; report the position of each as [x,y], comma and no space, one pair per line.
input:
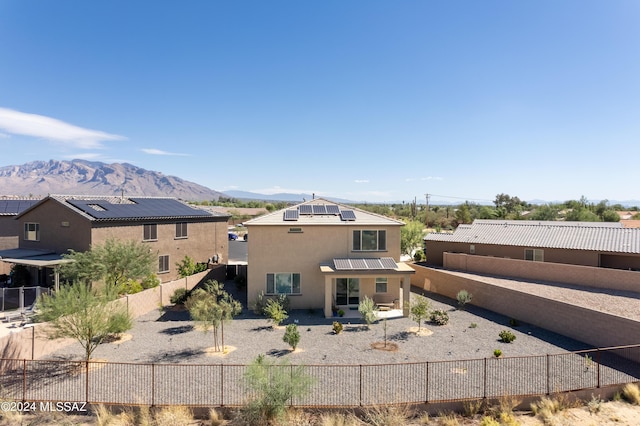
[79,177]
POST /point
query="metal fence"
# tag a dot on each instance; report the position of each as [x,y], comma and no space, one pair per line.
[333,385]
[19,298]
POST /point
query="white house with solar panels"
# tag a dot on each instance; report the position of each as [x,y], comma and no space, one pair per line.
[328,256]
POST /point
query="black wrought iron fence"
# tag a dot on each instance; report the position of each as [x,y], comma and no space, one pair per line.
[333,385]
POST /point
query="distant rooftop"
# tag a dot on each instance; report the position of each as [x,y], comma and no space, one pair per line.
[12,207]
[593,236]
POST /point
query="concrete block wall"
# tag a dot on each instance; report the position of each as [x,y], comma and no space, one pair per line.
[613,279]
[595,328]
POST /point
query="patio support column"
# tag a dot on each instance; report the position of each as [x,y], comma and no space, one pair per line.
[406,293]
[328,296]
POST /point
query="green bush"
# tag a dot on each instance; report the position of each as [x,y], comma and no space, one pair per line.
[439,317]
[150,281]
[497,353]
[337,327]
[275,312]
[179,296]
[367,309]
[292,336]
[463,297]
[506,336]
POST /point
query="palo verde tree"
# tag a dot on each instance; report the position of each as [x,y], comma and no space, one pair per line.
[411,237]
[85,314]
[210,306]
[116,262]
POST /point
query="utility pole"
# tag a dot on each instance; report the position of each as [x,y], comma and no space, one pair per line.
[426,220]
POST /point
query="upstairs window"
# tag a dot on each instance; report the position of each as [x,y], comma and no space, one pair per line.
[369,240]
[181,230]
[163,264]
[32,231]
[150,232]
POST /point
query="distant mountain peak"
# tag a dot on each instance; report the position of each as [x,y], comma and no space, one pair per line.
[83,177]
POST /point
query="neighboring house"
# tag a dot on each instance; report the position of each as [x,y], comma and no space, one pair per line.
[595,244]
[172,230]
[325,255]
[9,231]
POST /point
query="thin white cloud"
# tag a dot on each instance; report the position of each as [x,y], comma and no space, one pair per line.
[432,178]
[361,181]
[154,151]
[20,123]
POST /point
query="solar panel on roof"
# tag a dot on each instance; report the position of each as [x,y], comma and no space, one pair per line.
[358,264]
[291,214]
[141,208]
[341,264]
[306,209]
[388,263]
[347,215]
[333,209]
[319,209]
[373,263]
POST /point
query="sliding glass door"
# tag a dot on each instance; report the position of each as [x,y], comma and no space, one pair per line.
[347,291]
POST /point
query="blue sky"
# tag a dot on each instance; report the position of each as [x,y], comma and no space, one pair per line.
[363,100]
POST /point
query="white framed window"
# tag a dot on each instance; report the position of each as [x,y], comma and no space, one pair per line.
[181,230]
[381,285]
[283,283]
[369,240]
[31,231]
[536,255]
[163,264]
[150,232]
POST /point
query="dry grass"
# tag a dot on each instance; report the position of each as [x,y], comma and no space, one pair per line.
[173,415]
[631,393]
[339,419]
[387,415]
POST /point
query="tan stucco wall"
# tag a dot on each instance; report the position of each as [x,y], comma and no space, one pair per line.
[545,271]
[60,228]
[592,327]
[205,239]
[273,249]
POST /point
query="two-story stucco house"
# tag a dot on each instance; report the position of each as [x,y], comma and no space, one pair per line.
[325,255]
[171,228]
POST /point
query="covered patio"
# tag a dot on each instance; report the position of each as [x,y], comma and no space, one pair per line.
[348,280]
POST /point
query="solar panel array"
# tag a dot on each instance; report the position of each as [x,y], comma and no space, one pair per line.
[140,208]
[320,210]
[11,207]
[362,264]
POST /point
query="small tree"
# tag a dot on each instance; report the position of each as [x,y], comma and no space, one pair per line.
[367,309]
[82,313]
[419,310]
[210,307]
[292,336]
[273,385]
[275,312]
[188,267]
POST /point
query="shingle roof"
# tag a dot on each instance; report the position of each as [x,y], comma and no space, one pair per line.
[593,236]
[112,208]
[322,212]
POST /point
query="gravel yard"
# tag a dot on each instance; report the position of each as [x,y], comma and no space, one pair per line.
[170,337]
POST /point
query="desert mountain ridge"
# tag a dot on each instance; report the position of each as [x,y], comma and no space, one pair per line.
[80,177]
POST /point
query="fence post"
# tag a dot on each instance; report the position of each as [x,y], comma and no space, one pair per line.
[360,373]
[221,385]
[484,392]
[598,361]
[426,396]
[24,380]
[153,385]
[86,382]
[548,384]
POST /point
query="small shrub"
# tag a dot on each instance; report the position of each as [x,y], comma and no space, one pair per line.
[150,281]
[497,353]
[340,313]
[337,327]
[506,336]
[258,305]
[514,322]
[473,407]
[473,325]
[173,415]
[439,317]
[367,309]
[179,296]
[275,312]
[594,405]
[419,256]
[387,415]
[292,336]
[545,409]
[631,393]
[489,421]
[463,297]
